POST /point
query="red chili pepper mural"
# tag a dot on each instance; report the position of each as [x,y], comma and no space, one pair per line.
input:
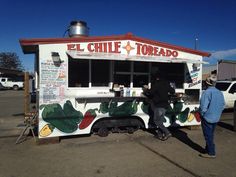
[89,116]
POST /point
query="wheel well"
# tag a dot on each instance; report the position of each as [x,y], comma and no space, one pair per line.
[111,122]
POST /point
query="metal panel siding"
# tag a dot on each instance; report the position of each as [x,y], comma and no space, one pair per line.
[226,71]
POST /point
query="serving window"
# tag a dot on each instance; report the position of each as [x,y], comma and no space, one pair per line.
[174,72]
[82,72]
[78,74]
[129,72]
[101,73]
[122,73]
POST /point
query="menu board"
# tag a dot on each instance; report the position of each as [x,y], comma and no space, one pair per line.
[52,82]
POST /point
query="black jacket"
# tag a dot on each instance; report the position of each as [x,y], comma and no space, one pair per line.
[159,93]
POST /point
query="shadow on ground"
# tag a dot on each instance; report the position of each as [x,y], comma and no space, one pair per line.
[226,126]
[183,137]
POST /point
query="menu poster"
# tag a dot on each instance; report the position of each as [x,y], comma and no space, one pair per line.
[52,82]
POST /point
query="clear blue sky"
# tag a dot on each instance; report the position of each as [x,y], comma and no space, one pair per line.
[176,22]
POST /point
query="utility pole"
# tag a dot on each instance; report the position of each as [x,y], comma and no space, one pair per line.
[196,43]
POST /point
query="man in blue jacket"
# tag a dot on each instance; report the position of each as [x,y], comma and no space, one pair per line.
[211,106]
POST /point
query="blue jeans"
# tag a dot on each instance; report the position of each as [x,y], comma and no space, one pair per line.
[208,132]
[158,117]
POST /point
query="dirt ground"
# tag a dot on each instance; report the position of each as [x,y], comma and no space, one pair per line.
[118,155]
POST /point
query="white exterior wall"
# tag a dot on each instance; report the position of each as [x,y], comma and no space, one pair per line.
[53,86]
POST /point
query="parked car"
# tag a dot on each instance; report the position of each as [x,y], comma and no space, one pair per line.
[2,87]
[228,88]
[11,83]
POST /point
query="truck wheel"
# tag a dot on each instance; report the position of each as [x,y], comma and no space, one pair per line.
[130,130]
[103,132]
[15,87]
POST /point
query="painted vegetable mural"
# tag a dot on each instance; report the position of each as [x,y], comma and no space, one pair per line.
[65,120]
[128,108]
[89,116]
[46,130]
[68,120]
[176,113]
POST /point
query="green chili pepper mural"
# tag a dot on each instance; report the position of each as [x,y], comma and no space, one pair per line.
[104,107]
[183,116]
[145,108]
[70,111]
[128,108]
[64,120]
[178,106]
[173,114]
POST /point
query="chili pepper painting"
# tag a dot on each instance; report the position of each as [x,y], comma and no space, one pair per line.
[65,120]
[89,116]
[128,108]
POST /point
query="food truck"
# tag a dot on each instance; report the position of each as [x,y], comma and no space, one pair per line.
[93,84]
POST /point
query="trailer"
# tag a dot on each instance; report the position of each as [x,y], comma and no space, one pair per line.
[87,84]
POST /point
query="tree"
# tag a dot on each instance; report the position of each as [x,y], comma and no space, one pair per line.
[10,60]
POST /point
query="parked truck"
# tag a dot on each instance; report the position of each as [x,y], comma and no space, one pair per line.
[11,83]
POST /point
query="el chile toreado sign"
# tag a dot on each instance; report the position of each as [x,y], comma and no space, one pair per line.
[124,47]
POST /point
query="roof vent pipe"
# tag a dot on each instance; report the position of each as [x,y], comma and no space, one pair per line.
[78,29]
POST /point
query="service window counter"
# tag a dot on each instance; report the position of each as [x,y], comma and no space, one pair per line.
[94,84]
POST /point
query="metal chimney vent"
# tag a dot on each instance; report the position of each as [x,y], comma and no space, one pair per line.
[78,29]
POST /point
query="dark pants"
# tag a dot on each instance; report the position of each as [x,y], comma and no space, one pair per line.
[158,118]
[208,130]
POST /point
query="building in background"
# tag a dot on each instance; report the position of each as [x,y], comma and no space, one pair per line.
[226,70]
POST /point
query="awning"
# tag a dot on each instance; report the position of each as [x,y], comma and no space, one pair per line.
[122,57]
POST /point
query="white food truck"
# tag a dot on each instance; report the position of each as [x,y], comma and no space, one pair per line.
[88,84]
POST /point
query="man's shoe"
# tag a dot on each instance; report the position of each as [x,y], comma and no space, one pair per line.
[166,137]
[158,134]
[207,156]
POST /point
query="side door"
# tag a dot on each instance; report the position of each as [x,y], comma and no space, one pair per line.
[232,93]
[4,82]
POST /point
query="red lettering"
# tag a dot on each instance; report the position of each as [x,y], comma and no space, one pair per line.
[98,47]
[90,47]
[71,47]
[144,50]
[155,52]
[109,47]
[168,53]
[150,50]
[162,52]
[175,54]
[78,48]
[105,47]
[117,47]
[138,48]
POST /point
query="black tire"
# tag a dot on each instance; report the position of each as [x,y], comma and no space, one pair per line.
[15,87]
[103,132]
[130,130]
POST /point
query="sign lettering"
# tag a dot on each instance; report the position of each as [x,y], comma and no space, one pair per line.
[117,47]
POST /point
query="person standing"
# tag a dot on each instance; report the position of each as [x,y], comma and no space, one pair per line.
[159,95]
[211,106]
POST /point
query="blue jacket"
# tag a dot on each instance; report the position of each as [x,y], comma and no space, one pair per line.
[212,104]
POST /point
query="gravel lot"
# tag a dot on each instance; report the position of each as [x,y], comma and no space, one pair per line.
[118,155]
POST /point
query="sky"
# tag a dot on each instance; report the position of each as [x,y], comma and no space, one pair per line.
[177,22]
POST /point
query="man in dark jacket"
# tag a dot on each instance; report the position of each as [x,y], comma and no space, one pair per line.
[159,95]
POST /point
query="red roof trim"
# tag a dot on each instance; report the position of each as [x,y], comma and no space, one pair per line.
[30,45]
